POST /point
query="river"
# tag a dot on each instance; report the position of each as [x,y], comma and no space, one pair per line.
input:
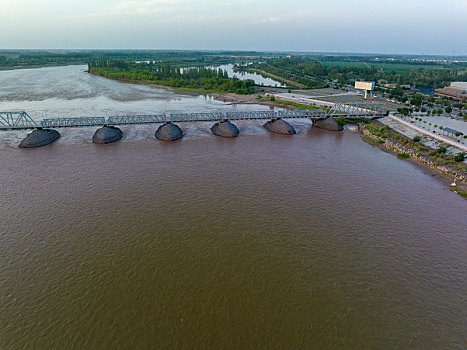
[312,241]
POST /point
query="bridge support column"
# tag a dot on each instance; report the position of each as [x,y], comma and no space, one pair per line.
[328,124]
[169,132]
[279,126]
[225,129]
[107,134]
[39,137]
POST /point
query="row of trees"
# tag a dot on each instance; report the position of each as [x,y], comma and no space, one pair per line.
[10,59]
[309,72]
[208,79]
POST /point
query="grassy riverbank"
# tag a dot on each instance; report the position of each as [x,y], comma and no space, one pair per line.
[445,166]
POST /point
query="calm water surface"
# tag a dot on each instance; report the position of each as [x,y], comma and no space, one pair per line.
[257,78]
[266,241]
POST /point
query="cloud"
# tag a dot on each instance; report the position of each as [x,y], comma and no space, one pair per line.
[131,8]
[271,19]
[134,7]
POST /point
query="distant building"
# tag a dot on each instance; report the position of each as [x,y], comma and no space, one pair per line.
[459,84]
[457,90]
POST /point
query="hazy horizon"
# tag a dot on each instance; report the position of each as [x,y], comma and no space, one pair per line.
[323,53]
[332,26]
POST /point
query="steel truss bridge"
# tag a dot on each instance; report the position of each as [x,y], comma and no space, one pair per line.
[21,120]
[363,109]
[16,120]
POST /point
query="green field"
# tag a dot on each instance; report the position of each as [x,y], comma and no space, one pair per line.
[397,67]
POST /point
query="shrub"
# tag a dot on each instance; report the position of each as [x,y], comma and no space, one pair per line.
[402,155]
[417,138]
[341,121]
[441,150]
[459,157]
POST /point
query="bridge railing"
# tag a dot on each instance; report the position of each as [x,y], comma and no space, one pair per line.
[22,120]
[250,115]
[200,117]
[137,119]
[358,109]
[306,113]
[72,122]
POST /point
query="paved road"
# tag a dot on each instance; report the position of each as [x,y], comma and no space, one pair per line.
[435,136]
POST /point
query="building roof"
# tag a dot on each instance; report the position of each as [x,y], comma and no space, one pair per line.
[452,131]
[452,91]
[459,85]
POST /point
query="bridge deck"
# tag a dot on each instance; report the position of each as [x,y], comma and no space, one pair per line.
[180,118]
[21,120]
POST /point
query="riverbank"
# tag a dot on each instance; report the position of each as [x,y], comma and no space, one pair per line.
[7,68]
[287,82]
[227,97]
[437,164]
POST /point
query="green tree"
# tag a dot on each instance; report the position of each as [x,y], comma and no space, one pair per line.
[459,157]
[341,121]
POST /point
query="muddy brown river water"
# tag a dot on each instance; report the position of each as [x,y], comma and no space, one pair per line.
[312,241]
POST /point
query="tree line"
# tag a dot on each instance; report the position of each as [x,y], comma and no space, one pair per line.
[307,71]
[198,78]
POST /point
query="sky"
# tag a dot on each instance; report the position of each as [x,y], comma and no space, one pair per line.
[364,26]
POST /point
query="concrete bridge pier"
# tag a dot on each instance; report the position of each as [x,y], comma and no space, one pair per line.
[328,124]
[107,134]
[39,137]
[169,132]
[279,126]
[225,129]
